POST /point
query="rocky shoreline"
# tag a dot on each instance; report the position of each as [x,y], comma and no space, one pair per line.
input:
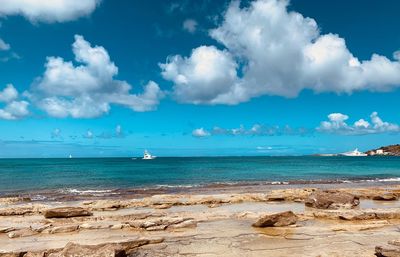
[275,222]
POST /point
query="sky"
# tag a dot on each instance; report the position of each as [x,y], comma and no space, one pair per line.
[107,78]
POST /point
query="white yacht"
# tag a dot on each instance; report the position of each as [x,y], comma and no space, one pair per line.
[354,153]
[148,156]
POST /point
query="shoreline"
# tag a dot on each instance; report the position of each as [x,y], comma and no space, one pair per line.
[74,194]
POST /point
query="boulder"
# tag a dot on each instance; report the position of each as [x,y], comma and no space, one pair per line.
[277,220]
[67,212]
[331,200]
[385,197]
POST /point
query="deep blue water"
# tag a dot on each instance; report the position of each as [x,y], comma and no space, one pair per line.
[117,173]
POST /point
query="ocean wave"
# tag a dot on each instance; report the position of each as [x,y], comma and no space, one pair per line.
[75,191]
[388,180]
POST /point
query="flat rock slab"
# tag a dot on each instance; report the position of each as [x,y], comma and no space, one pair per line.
[277,220]
[67,212]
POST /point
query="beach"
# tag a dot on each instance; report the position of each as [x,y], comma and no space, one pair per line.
[208,221]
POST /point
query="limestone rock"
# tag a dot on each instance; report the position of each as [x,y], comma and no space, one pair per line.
[102,250]
[385,197]
[21,233]
[185,224]
[40,228]
[387,251]
[331,200]
[277,220]
[16,211]
[162,206]
[7,229]
[94,226]
[67,212]
[64,229]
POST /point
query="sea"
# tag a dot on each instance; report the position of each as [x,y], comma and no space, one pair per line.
[111,175]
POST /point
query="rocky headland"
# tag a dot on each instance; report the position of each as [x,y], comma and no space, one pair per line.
[390,150]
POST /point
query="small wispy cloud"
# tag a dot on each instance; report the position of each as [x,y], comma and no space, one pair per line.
[88,135]
[255,130]
[190,25]
[4,46]
[337,124]
[56,133]
[118,133]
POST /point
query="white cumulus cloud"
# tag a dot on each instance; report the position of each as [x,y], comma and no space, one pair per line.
[200,132]
[13,108]
[337,124]
[48,10]
[88,90]
[271,51]
[202,77]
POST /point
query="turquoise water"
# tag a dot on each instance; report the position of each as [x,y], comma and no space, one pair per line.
[119,173]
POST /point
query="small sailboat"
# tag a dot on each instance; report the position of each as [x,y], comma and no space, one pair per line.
[70,156]
[354,153]
[148,156]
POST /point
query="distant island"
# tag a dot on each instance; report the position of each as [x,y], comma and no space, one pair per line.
[390,150]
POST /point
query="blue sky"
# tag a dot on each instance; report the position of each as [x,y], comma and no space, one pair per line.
[192,78]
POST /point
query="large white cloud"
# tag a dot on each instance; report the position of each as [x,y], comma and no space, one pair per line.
[337,124]
[207,73]
[48,10]
[276,52]
[88,90]
[13,108]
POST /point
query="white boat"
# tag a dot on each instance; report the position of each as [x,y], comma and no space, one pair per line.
[148,156]
[70,156]
[354,153]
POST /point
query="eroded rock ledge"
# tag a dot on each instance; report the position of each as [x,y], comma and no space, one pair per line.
[120,249]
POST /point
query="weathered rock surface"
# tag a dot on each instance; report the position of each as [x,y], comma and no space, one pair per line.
[277,220]
[163,223]
[120,249]
[67,212]
[353,215]
[385,197]
[331,200]
[387,251]
[16,211]
[64,229]
[21,233]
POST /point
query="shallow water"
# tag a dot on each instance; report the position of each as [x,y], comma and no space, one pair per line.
[97,176]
